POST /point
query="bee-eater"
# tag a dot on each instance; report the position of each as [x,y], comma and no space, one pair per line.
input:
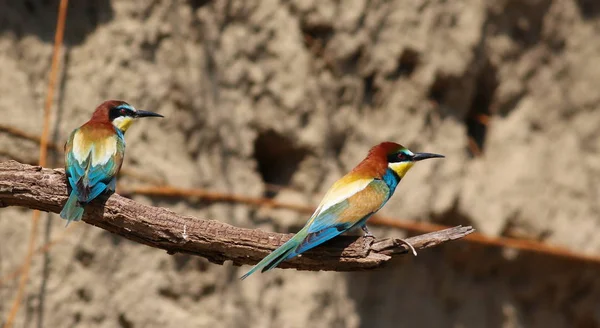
[94,154]
[350,201]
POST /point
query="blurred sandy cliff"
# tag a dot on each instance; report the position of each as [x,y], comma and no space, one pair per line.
[294,93]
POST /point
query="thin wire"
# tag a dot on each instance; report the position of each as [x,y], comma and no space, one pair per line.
[58,40]
[22,134]
[420,227]
[124,171]
[520,244]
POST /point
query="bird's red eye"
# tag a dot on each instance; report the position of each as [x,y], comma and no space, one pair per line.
[123,111]
[401,156]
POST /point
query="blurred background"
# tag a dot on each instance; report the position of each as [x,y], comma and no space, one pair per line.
[279,99]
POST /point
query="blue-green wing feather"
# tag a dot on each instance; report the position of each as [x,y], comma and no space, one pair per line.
[328,218]
[100,177]
[88,180]
[323,226]
[331,223]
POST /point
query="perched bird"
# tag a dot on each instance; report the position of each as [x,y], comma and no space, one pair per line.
[94,154]
[350,201]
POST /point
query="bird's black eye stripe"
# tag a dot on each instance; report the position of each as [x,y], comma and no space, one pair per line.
[119,111]
[113,113]
[124,111]
[398,157]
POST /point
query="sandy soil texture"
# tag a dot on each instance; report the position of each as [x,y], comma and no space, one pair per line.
[294,93]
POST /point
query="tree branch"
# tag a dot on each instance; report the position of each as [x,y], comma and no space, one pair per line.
[45,189]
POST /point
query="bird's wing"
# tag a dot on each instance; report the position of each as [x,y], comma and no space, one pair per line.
[92,161]
[352,208]
[341,190]
[345,214]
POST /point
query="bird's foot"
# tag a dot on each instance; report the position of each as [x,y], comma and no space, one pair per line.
[367,232]
[367,235]
[409,246]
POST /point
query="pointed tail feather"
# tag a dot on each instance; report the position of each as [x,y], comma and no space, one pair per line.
[284,252]
[72,211]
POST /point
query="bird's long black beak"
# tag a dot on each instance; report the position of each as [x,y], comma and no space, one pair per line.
[422,156]
[143,113]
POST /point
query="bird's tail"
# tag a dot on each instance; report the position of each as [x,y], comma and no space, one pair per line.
[72,211]
[284,252]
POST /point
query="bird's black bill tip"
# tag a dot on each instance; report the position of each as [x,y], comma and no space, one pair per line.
[143,113]
[422,156]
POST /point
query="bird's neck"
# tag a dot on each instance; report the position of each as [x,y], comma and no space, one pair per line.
[121,134]
[391,179]
[105,126]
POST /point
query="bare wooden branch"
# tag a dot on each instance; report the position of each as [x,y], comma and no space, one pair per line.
[45,189]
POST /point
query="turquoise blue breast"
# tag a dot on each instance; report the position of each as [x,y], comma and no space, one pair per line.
[391,179]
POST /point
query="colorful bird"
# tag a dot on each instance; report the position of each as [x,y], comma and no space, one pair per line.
[94,154]
[350,201]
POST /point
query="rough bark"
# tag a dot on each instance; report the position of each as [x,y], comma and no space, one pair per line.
[44,189]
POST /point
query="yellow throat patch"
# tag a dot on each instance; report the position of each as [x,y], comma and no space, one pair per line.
[123,123]
[401,167]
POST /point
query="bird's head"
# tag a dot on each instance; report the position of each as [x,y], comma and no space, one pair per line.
[400,159]
[120,114]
